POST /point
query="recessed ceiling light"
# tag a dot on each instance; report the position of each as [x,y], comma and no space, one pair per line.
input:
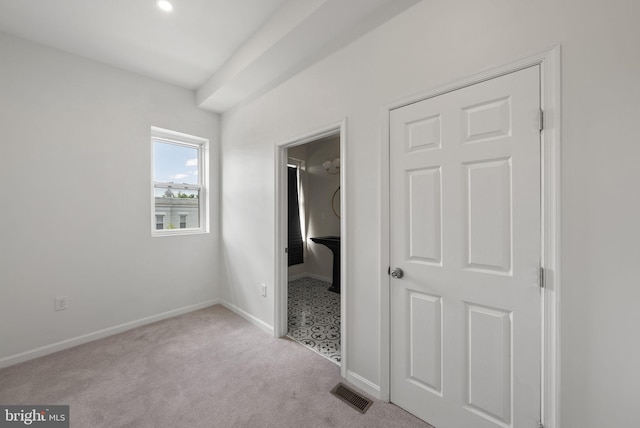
[165,5]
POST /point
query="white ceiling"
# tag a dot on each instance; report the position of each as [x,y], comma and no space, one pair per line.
[183,47]
[226,50]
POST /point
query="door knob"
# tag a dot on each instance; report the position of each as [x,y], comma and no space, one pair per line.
[397,273]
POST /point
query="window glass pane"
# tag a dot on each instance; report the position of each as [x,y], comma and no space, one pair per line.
[175,163]
[179,173]
[175,203]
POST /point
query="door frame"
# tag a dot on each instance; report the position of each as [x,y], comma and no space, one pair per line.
[280,262]
[550,98]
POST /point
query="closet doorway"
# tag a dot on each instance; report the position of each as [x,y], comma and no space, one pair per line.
[310,258]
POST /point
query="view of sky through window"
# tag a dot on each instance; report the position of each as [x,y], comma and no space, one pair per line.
[174,163]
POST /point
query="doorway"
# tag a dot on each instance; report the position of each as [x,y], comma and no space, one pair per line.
[310,279]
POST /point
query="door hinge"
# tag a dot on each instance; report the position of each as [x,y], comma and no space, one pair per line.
[541,277]
[541,120]
[286,250]
[540,425]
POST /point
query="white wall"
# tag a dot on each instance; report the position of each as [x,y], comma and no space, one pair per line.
[436,42]
[76,218]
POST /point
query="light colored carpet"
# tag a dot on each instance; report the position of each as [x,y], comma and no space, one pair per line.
[209,368]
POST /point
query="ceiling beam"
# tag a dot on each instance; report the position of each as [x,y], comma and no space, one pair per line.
[299,34]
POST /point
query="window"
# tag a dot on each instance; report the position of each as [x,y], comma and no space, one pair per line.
[159,221]
[179,177]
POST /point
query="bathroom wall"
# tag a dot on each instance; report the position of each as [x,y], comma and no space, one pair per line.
[322,220]
[318,190]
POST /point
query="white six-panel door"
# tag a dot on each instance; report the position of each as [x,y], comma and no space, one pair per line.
[465,230]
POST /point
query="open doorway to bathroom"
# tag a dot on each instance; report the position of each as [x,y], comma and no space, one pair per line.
[311,240]
[313,246]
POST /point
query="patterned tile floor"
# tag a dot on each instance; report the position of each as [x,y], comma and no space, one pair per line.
[314,316]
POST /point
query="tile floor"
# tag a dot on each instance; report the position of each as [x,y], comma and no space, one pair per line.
[314,316]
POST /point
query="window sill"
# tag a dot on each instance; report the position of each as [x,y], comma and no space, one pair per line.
[178,232]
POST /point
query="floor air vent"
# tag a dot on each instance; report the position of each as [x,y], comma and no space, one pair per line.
[351,397]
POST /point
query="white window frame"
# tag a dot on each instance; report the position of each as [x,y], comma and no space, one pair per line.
[180,139]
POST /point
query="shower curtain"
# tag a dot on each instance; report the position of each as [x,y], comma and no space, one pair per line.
[295,245]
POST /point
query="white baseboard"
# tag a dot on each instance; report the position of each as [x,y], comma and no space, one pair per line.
[297,276]
[246,315]
[311,275]
[90,337]
[366,386]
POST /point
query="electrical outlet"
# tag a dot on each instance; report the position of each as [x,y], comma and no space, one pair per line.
[263,290]
[61,303]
